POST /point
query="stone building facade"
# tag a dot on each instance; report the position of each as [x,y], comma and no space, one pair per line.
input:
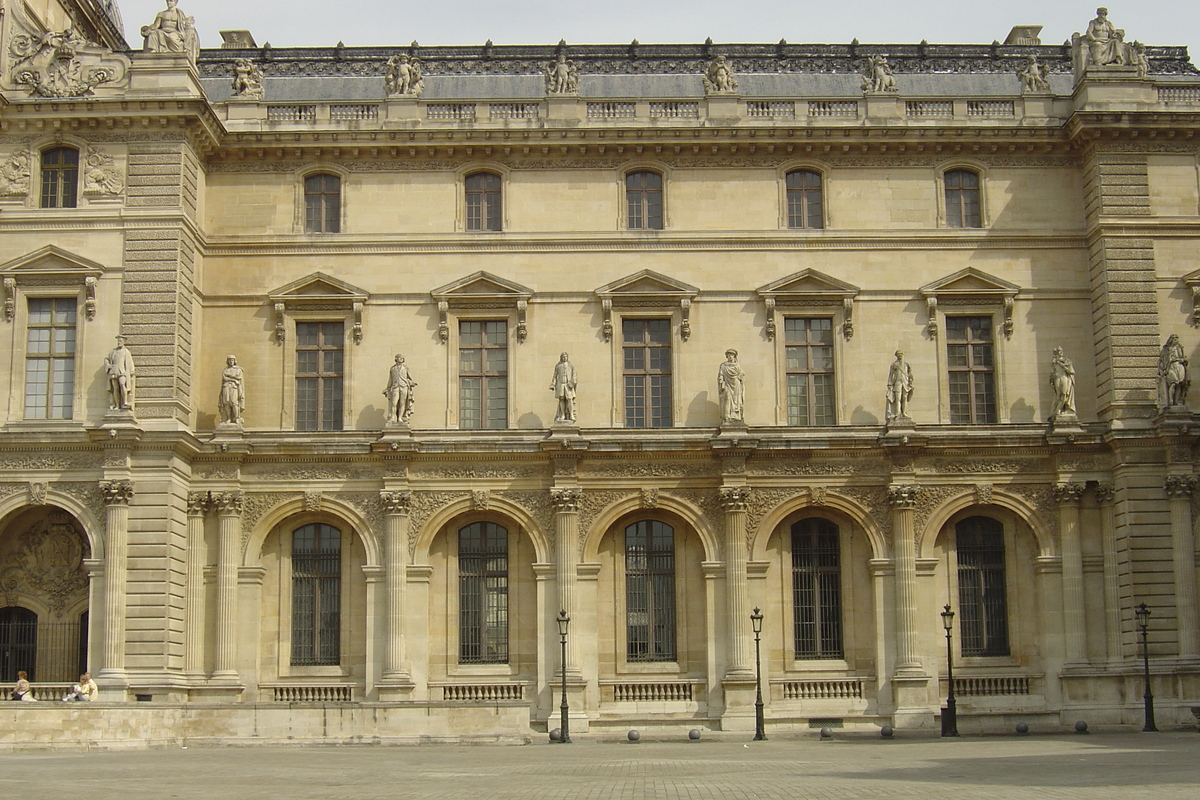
[890,240]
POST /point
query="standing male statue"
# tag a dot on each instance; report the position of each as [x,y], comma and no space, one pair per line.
[731,387]
[563,385]
[399,392]
[1172,374]
[233,393]
[1062,380]
[118,365]
[899,388]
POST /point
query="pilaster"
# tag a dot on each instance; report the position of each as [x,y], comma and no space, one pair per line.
[198,505]
[565,501]
[1068,496]
[117,494]
[1179,489]
[229,540]
[396,682]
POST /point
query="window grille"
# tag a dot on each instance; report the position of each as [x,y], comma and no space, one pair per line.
[46,651]
[60,177]
[972,370]
[316,595]
[319,358]
[982,593]
[483,594]
[482,374]
[816,589]
[647,359]
[291,113]
[50,358]
[810,388]
[650,591]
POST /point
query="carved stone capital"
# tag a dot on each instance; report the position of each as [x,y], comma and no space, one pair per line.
[903,495]
[229,503]
[396,502]
[734,498]
[1180,486]
[566,500]
[1068,494]
[1105,493]
[198,503]
[116,493]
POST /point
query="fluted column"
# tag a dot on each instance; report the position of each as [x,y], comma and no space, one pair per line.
[903,500]
[117,496]
[396,506]
[1112,575]
[737,595]
[566,534]
[1183,554]
[1068,496]
[229,542]
[193,654]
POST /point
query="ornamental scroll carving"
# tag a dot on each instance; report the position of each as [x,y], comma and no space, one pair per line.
[14,174]
[538,504]
[102,177]
[46,560]
[594,502]
[62,64]
[423,505]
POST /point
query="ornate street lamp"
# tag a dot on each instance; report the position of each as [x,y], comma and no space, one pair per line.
[1143,620]
[564,725]
[756,623]
[950,712]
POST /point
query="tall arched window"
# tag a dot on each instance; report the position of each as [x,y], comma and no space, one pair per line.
[817,589]
[644,200]
[483,202]
[316,595]
[60,177]
[804,206]
[18,643]
[982,594]
[650,591]
[483,594]
[322,203]
[962,198]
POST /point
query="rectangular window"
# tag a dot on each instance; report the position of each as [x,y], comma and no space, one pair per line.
[804,199]
[962,199]
[482,374]
[817,589]
[972,370]
[982,595]
[483,202]
[809,344]
[60,177]
[647,352]
[483,594]
[322,203]
[50,359]
[316,595]
[319,365]
[644,200]
[650,591]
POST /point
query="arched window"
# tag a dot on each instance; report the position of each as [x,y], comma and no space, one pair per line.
[316,595]
[18,643]
[483,594]
[60,177]
[650,591]
[644,200]
[322,203]
[483,202]
[962,198]
[817,589]
[804,207]
[982,595]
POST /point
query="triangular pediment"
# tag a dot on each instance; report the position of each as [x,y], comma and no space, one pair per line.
[318,286]
[970,282]
[647,284]
[51,262]
[808,284]
[482,287]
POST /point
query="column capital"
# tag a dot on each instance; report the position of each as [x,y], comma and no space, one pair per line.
[228,503]
[903,495]
[396,503]
[566,500]
[198,503]
[1068,494]
[1105,493]
[1180,486]
[116,493]
[734,498]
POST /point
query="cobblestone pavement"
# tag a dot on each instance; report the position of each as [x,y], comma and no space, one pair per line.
[1128,766]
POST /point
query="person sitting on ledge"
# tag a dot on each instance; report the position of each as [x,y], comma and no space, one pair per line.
[86,690]
[23,691]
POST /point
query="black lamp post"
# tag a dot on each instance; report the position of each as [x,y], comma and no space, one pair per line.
[756,619]
[564,725]
[950,713]
[1143,620]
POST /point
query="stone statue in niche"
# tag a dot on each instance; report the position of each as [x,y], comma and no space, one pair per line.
[399,393]
[1062,380]
[404,77]
[563,385]
[899,389]
[562,76]
[718,77]
[233,393]
[877,76]
[172,31]
[1035,77]
[1173,382]
[118,366]
[731,388]
[1105,42]
[101,175]
[247,80]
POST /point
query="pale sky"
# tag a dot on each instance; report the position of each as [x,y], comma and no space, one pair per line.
[360,23]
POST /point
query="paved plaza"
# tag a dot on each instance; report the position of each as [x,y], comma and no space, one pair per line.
[1094,766]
